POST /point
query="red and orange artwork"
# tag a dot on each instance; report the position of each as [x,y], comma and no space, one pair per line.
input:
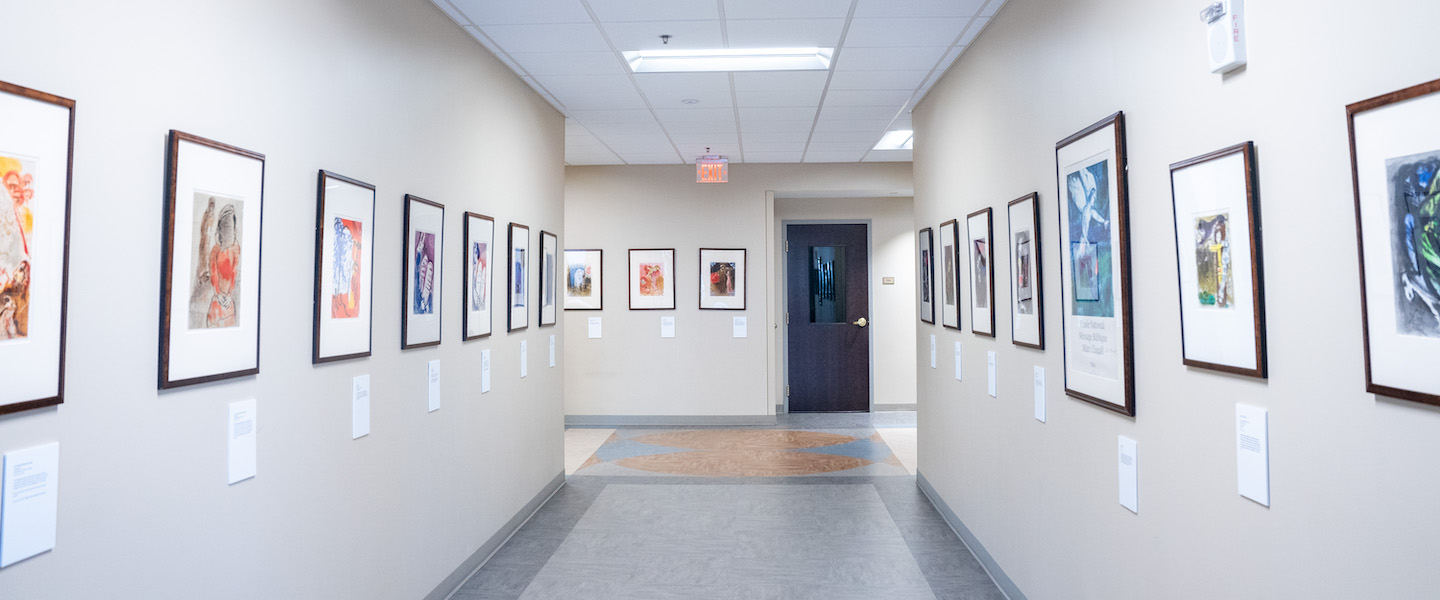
[17,226]
[345,298]
[652,279]
[215,285]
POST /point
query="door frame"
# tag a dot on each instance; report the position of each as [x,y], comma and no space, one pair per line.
[784,301]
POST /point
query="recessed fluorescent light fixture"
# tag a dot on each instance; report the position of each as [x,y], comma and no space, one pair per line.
[902,139]
[729,59]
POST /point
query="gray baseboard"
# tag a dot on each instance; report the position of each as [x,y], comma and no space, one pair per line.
[1002,580]
[476,560]
[651,420]
[880,407]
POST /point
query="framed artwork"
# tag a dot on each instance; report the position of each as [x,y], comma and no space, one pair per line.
[35,164]
[1395,156]
[1027,301]
[549,259]
[652,279]
[517,311]
[422,268]
[1217,243]
[210,294]
[927,272]
[584,279]
[981,256]
[722,279]
[479,258]
[950,278]
[1095,266]
[344,268]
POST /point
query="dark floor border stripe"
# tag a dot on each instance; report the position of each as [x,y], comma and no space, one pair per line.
[477,560]
[645,420]
[1002,580]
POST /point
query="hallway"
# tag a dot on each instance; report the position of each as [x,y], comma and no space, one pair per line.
[662,513]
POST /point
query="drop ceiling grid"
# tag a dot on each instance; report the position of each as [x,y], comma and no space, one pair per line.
[887,56]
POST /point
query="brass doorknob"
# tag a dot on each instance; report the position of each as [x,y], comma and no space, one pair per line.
[862,322]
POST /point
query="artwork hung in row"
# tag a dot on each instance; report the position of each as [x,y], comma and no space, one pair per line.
[722,278]
[927,271]
[549,259]
[982,276]
[422,266]
[950,274]
[584,284]
[1095,266]
[1217,224]
[35,164]
[652,278]
[1027,305]
[210,294]
[518,307]
[1395,158]
[344,268]
[479,258]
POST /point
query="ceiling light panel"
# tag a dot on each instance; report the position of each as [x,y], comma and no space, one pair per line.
[490,12]
[729,59]
[895,139]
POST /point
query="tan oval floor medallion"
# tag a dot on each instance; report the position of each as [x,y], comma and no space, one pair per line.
[743,453]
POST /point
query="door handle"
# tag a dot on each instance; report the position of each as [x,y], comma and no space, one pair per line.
[862,322]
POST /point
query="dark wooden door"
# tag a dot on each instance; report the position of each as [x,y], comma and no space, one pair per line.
[828,293]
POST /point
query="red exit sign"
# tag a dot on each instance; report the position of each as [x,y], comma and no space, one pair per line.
[712,169]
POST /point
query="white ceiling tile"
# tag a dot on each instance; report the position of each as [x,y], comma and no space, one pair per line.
[775,137]
[974,30]
[772,157]
[774,146]
[645,35]
[596,162]
[788,9]
[889,156]
[452,12]
[877,80]
[784,33]
[891,99]
[484,40]
[654,10]
[566,37]
[991,8]
[751,126]
[819,157]
[652,158]
[679,130]
[903,32]
[919,8]
[777,99]
[594,155]
[827,137]
[851,125]
[609,131]
[668,90]
[861,147]
[692,149]
[569,63]
[767,81]
[639,145]
[567,86]
[490,12]
[602,117]
[597,102]
[798,113]
[888,59]
[875,113]
[696,115]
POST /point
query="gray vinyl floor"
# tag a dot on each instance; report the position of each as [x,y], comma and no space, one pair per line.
[834,537]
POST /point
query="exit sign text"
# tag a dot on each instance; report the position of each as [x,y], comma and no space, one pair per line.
[712,170]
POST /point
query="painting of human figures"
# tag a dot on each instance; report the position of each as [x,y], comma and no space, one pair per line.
[17,232]
[215,283]
[583,281]
[423,293]
[1213,271]
[722,278]
[1024,274]
[1415,242]
[345,272]
[1090,251]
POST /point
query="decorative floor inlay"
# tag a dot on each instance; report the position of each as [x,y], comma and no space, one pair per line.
[742,453]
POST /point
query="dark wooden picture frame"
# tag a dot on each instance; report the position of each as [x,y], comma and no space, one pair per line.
[950,278]
[596,275]
[1036,276]
[517,297]
[409,271]
[1211,326]
[549,272]
[1390,162]
[988,265]
[926,260]
[707,279]
[29,367]
[487,287]
[325,239]
[636,281]
[1073,155]
[224,306]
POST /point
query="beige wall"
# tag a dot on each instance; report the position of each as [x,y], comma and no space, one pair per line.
[1354,479]
[392,93]
[703,371]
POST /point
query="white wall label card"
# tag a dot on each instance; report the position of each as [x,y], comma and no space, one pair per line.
[958,370]
[552,351]
[594,323]
[432,378]
[359,407]
[667,327]
[1129,476]
[485,371]
[933,350]
[990,371]
[1040,394]
[29,508]
[241,432]
[524,359]
[1252,450]
[740,327]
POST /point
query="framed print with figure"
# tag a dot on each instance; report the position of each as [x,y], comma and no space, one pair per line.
[927,275]
[584,279]
[981,256]
[1095,266]
[210,294]
[722,279]
[422,265]
[652,279]
[344,268]
[35,164]
[518,307]
[1027,302]
[549,263]
[949,262]
[479,266]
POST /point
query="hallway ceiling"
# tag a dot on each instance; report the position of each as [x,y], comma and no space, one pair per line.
[887,55]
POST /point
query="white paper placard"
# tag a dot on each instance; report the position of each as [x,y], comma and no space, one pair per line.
[241,438]
[432,379]
[933,351]
[1040,394]
[740,327]
[29,509]
[990,371]
[594,323]
[524,359]
[485,371]
[1129,475]
[552,351]
[360,407]
[667,327]
[1252,451]
[958,370]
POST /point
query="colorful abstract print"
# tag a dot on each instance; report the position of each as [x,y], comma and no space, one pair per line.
[422,295]
[17,228]
[1216,277]
[1415,242]
[345,272]
[1090,251]
[215,283]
